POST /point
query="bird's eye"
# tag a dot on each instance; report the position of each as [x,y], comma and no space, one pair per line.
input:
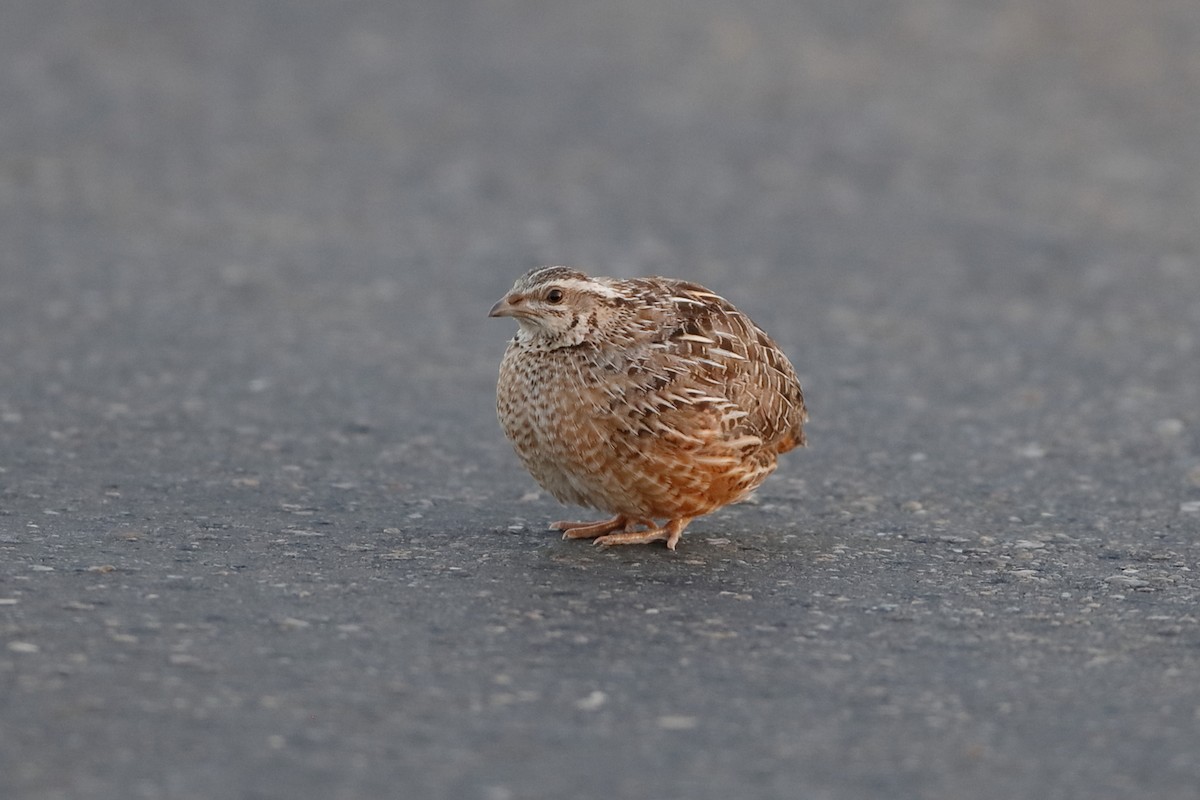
[554,296]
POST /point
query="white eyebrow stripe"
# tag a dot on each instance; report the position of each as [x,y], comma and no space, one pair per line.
[585,287]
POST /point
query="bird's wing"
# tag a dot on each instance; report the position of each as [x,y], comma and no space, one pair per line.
[701,351]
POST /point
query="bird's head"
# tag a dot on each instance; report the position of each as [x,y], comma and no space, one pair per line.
[561,307]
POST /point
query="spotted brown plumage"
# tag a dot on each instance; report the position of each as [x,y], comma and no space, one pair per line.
[648,399]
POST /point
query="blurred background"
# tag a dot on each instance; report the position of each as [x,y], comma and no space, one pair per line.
[1012,187]
[247,251]
[943,209]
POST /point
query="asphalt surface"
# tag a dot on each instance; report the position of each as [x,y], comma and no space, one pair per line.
[261,536]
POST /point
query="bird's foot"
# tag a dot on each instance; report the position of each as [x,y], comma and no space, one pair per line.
[669,532]
[590,530]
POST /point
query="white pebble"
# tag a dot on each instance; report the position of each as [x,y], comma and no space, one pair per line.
[592,702]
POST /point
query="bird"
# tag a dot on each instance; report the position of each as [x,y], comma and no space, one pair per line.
[647,398]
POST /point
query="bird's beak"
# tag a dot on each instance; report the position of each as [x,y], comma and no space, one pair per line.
[508,306]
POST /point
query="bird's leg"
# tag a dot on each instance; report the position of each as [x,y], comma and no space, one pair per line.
[590,530]
[670,532]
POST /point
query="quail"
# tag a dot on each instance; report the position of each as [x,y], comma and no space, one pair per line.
[648,399]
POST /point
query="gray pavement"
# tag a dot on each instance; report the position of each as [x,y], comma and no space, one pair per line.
[261,536]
